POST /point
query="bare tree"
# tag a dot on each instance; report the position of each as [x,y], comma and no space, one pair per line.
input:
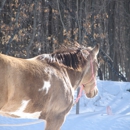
[29,28]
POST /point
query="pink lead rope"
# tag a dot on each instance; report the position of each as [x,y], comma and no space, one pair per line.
[80,94]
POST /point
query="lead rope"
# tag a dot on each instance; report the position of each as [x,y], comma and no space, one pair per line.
[79,95]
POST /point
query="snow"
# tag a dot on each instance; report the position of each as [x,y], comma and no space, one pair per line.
[109,110]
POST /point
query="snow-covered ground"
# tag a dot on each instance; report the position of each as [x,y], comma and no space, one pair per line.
[109,110]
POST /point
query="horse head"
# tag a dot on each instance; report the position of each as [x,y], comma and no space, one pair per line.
[90,72]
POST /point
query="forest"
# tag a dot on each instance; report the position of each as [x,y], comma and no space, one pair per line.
[32,27]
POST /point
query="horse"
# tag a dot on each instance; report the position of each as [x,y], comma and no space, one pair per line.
[43,87]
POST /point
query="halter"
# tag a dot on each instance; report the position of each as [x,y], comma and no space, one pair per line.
[92,70]
[81,88]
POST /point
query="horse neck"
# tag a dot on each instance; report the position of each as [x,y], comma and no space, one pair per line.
[75,77]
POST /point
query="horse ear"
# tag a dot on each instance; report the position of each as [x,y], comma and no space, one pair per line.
[96,49]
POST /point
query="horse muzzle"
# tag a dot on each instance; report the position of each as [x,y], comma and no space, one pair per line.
[92,93]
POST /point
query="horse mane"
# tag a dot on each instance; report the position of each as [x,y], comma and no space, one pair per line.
[70,57]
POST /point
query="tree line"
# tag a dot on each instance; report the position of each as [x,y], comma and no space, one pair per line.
[32,27]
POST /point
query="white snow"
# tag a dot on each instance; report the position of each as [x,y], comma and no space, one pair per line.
[109,110]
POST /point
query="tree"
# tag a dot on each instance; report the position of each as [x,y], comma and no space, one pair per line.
[29,28]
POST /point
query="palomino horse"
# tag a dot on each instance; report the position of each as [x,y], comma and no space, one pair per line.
[43,87]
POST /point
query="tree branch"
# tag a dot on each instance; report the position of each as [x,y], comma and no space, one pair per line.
[2,5]
[60,16]
[34,29]
[15,32]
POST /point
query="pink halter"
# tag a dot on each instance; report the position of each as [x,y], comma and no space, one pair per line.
[92,70]
[81,88]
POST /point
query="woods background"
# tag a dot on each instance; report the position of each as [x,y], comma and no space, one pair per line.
[32,27]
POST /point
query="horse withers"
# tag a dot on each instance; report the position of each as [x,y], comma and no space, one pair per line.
[43,87]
